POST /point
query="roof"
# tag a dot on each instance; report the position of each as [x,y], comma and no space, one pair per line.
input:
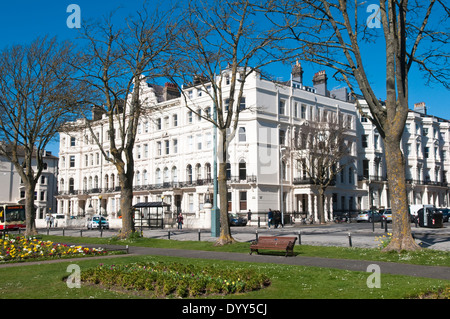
[151,204]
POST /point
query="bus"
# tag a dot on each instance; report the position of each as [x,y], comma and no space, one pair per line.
[12,216]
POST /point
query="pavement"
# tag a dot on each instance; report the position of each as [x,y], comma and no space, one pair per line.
[356,235]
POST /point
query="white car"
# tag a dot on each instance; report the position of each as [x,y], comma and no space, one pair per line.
[387,215]
[368,216]
[93,222]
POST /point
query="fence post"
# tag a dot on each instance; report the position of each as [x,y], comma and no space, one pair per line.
[199,234]
[256,235]
[81,233]
[349,239]
[299,237]
[168,234]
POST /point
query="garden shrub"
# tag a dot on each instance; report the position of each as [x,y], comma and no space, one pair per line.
[176,279]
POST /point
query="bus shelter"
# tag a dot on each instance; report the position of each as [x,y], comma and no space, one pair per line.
[150,215]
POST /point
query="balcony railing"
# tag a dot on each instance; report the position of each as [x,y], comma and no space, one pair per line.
[163,185]
[372,178]
[311,181]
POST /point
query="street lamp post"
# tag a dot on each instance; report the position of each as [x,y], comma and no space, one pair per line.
[100,213]
[215,224]
[282,149]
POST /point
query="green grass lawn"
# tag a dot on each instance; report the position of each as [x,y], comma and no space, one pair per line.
[46,281]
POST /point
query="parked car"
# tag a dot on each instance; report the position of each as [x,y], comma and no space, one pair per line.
[236,220]
[368,216]
[445,213]
[386,214]
[93,222]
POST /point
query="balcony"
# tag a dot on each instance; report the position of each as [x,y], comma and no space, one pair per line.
[311,181]
[162,186]
[372,178]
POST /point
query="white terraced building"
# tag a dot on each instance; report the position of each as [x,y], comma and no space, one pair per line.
[174,156]
[426,147]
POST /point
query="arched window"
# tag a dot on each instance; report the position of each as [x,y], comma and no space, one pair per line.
[174,174]
[138,178]
[113,181]
[145,177]
[208,172]
[198,172]
[71,185]
[158,176]
[96,181]
[242,170]
[189,173]
[85,184]
[166,175]
[242,136]
[61,184]
[106,181]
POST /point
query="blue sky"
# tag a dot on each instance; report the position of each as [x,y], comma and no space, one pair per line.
[23,21]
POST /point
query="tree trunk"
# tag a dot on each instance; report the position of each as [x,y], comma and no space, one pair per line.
[225,231]
[30,211]
[401,225]
[321,205]
[126,206]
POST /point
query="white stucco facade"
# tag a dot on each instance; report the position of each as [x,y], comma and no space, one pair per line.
[174,156]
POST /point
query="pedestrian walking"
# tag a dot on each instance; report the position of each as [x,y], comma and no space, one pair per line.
[180,221]
[47,220]
[270,217]
[249,216]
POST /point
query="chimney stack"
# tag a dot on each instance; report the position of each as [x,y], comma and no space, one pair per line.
[420,107]
[320,83]
[170,91]
[297,74]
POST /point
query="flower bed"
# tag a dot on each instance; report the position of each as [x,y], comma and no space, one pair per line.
[175,279]
[21,248]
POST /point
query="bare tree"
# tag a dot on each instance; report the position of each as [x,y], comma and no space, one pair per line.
[37,95]
[118,63]
[323,149]
[222,44]
[332,33]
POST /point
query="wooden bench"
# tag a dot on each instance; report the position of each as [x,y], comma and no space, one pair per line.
[274,243]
